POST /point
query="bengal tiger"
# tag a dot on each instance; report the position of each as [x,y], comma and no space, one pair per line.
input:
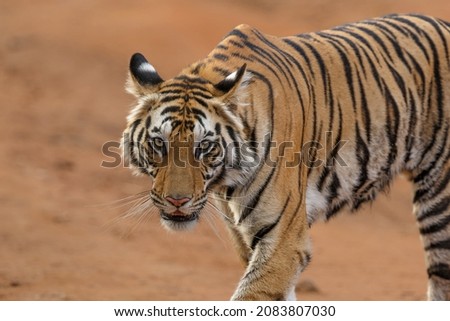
[281,132]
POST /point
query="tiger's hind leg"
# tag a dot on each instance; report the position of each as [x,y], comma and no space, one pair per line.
[432,211]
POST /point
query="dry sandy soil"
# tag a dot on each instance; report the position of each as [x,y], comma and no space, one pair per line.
[62,70]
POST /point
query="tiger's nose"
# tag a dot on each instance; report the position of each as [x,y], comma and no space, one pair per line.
[178,202]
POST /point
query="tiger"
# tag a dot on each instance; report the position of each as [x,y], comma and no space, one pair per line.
[281,132]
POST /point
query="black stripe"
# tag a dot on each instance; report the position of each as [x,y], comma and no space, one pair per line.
[426,172]
[289,59]
[221,71]
[169,118]
[433,22]
[218,179]
[262,232]
[393,25]
[340,48]
[327,90]
[269,57]
[266,229]
[374,70]
[412,36]
[302,53]
[236,44]
[147,122]
[170,109]
[333,187]
[322,67]
[171,91]
[270,117]
[363,157]
[208,134]
[136,161]
[439,226]
[187,83]
[229,193]
[418,31]
[156,130]
[362,40]
[221,57]
[201,101]
[133,127]
[442,185]
[435,192]
[168,98]
[394,42]
[201,93]
[252,139]
[325,78]
[418,69]
[392,128]
[218,129]
[444,23]
[333,39]
[350,42]
[377,39]
[236,145]
[250,207]
[332,155]
[140,135]
[364,108]
[440,245]
[198,112]
[200,120]
[399,80]
[192,80]
[435,209]
[238,33]
[436,66]
[439,100]
[295,212]
[300,50]
[410,136]
[198,66]
[440,270]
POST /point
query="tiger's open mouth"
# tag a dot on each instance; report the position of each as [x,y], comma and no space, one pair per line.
[179,218]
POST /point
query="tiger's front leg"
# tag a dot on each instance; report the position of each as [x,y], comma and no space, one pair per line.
[276,261]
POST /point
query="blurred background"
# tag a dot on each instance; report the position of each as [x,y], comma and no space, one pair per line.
[63,66]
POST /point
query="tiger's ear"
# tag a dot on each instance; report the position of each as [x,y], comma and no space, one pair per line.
[143,78]
[228,86]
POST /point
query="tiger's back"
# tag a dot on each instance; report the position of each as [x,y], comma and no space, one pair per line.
[329,118]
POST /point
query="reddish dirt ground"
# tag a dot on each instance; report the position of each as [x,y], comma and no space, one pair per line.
[62,70]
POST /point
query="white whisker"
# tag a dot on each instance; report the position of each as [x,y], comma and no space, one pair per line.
[211,222]
[120,202]
[216,209]
[218,198]
[140,206]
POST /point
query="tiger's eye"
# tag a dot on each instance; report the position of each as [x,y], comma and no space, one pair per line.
[158,142]
[206,145]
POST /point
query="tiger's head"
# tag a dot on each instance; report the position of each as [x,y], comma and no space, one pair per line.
[184,133]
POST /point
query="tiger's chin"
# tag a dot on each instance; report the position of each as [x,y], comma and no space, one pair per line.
[174,222]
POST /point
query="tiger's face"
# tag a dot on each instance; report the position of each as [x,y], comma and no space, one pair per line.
[179,134]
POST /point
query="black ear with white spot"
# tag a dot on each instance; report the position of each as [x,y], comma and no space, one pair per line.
[231,81]
[143,71]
